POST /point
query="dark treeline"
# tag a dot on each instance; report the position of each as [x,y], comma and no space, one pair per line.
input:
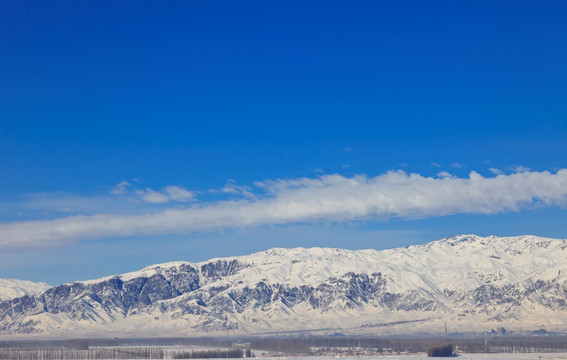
[211,354]
[444,350]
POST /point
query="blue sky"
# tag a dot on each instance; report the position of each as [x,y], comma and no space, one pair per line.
[134,133]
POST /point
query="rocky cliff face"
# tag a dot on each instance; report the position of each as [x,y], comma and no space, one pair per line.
[470,282]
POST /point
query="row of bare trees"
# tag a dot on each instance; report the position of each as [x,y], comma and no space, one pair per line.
[154,348]
[213,354]
[97,353]
[496,344]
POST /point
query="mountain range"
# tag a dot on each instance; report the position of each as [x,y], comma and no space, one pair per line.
[468,282]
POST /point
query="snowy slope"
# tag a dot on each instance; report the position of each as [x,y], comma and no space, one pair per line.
[470,282]
[12,288]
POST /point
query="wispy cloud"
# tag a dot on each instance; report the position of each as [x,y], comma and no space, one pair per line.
[124,197]
[168,193]
[520,168]
[443,174]
[120,188]
[496,171]
[232,188]
[328,198]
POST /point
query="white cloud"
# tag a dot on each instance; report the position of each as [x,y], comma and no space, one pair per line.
[233,188]
[177,193]
[152,196]
[496,171]
[436,164]
[457,165]
[168,193]
[329,198]
[520,168]
[443,174]
[120,188]
[51,203]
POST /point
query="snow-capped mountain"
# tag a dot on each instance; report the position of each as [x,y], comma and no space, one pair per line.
[472,283]
[12,288]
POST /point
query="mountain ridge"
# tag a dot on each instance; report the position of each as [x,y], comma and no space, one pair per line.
[469,281]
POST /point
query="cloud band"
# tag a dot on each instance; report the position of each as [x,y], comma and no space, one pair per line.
[329,198]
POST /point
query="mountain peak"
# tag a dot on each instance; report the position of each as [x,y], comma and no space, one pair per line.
[461,239]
